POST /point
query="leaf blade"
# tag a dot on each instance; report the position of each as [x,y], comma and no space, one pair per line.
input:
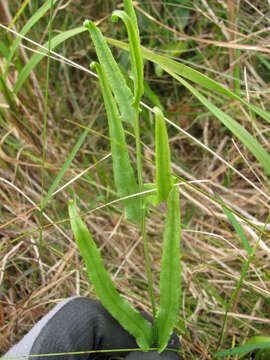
[238,229]
[120,309]
[164,179]
[124,176]
[135,54]
[129,9]
[259,339]
[170,276]
[244,349]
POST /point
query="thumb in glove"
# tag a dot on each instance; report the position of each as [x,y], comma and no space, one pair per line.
[78,325]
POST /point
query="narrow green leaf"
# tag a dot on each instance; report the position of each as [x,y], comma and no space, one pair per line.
[164,179]
[158,70]
[151,95]
[238,229]
[4,51]
[30,23]
[18,13]
[245,349]
[116,80]
[135,54]
[188,73]
[65,166]
[124,176]
[121,310]
[8,95]
[129,9]
[263,61]
[170,276]
[36,58]
[254,340]
[239,131]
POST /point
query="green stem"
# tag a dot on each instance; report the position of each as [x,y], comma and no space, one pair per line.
[143,221]
[44,135]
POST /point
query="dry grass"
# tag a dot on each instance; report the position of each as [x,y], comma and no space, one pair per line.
[32,280]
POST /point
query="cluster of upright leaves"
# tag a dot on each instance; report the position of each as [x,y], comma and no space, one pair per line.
[123,105]
[125,98]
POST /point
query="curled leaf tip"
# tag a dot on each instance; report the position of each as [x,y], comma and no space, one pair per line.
[93,65]
[71,202]
[114,17]
[86,23]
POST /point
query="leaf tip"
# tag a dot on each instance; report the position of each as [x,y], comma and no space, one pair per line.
[71,202]
[88,24]
[115,17]
[93,65]
[157,111]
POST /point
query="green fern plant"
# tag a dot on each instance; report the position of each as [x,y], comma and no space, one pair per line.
[122,106]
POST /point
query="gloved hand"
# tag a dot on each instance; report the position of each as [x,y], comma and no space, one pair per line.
[81,324]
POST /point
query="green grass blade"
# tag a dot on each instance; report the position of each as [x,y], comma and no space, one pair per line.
[4,51]
[120,89]
[239,131]
[44,130]
[124,176]
[135,54]
[170,276]
[257,340]
[188,73]
[8,95]
[65,167]
[164,179]
[245,349]
[121,310]
[18,13]
[263,61]
[30,23]
[238,229]
[36,58]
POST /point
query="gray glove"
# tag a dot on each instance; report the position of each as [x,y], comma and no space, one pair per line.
[81,324]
